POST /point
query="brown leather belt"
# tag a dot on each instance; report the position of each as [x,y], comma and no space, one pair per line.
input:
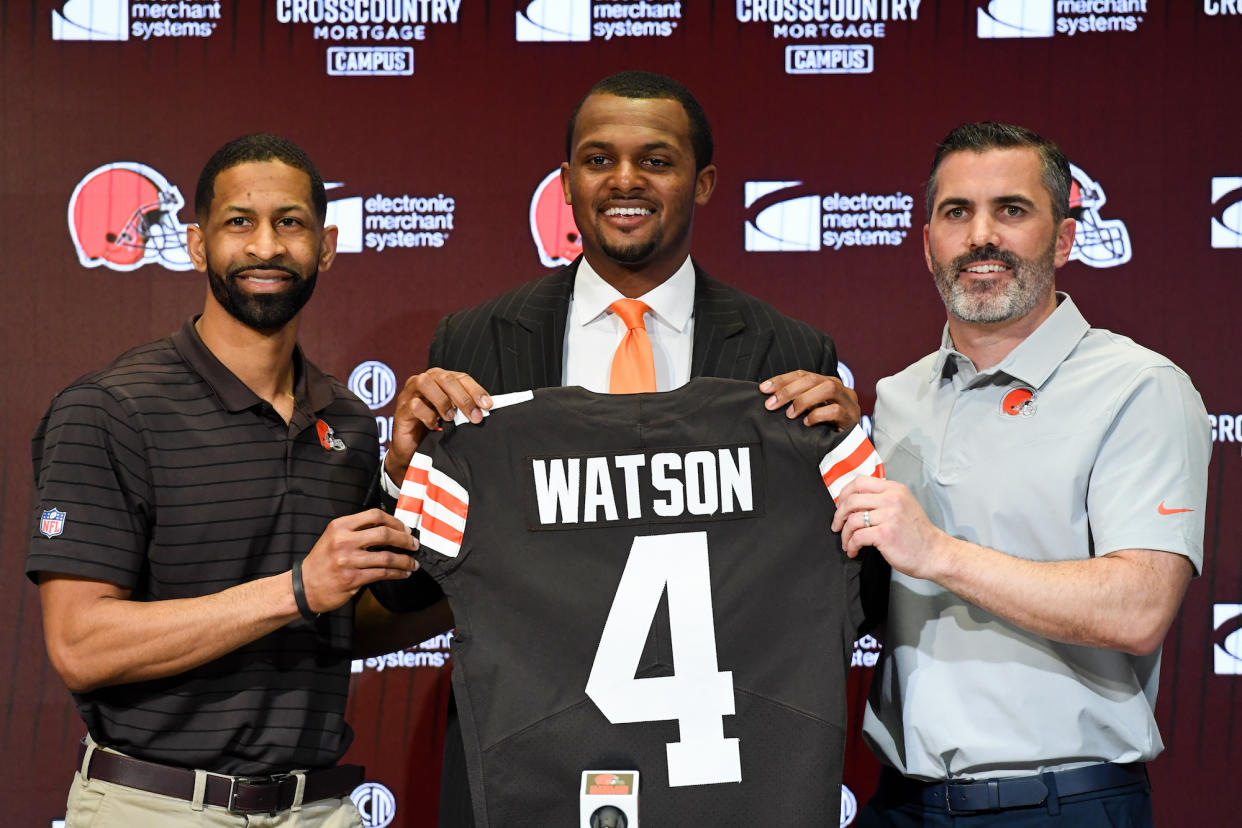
[235,793]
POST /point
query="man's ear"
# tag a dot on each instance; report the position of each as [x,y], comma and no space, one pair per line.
[196,245]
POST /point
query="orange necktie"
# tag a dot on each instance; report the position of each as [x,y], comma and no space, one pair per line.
[633,366]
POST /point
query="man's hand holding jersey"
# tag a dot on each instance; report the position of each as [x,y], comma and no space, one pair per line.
[814,397]
[425,400]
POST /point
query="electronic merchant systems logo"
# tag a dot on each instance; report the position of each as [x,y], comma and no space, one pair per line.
[577,21]
[1045,18]
[384,223]
[1227,207]
[375,803]
[783,216]
[121,19]
[1227,639]
[124,215]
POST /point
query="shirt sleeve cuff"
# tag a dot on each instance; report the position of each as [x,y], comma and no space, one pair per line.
[386,484]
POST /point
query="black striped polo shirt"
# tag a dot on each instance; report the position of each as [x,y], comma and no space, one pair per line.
[164,474]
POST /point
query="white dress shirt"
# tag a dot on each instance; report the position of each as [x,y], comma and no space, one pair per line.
[593,332]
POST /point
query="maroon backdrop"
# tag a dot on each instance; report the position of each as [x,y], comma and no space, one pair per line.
[814,104]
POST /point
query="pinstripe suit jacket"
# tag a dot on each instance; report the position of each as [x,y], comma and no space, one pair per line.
[516,341]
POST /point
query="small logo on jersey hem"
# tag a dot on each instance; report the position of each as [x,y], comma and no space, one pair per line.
[328,438]
[1019,401]
[52,523]
[1164,510]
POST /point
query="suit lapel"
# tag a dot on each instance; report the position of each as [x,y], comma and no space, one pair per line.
[531,334]
[724,346]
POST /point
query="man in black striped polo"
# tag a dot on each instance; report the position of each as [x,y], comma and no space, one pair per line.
[198,539]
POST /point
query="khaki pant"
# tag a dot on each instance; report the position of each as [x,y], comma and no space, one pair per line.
[94,803]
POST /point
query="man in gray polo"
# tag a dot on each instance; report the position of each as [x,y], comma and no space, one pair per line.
[1044,513]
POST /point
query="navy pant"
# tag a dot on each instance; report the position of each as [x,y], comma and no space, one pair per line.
[1125,807]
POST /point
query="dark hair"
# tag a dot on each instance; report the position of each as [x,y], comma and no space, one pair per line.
[987,135]
[648,85]
[258,147]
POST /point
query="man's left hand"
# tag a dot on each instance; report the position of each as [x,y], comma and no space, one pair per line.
[814,397]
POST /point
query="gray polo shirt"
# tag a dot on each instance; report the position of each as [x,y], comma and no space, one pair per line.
[1079,443]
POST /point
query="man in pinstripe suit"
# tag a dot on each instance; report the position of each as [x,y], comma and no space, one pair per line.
[639,152]
[639,161]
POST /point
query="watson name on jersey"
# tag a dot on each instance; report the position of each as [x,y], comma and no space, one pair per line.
[647,582]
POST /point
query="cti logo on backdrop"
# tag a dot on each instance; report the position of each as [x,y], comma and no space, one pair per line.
[375,803]
[543,21]
[552,223]
[124,215]
[1045,18]
[119,19]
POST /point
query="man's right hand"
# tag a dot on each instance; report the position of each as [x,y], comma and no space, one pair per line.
[427,398]
[350,554]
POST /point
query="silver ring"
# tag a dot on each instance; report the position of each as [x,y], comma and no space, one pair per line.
[866,518]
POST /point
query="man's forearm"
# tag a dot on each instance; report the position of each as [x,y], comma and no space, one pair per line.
[97,636]
[1122,601]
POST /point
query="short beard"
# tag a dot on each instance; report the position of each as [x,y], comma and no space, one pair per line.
[1029,283]
[633,253]
[264,312]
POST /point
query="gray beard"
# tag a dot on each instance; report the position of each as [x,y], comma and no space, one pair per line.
[1029,283]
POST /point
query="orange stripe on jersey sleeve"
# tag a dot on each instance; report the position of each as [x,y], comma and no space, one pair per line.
[445,530]
[856,458]
[408,503]
[447,500]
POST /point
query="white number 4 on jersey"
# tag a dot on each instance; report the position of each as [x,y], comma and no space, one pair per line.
[697,695]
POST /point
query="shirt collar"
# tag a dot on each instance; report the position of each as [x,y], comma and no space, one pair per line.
[671,302]
[1037,356]
[310,384]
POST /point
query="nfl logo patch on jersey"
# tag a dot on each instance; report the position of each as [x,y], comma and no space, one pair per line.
[52,523]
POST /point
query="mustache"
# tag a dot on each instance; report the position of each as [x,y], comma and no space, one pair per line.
[988,252]
[243,269]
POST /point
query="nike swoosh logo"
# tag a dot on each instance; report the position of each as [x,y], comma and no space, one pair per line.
[1162,510]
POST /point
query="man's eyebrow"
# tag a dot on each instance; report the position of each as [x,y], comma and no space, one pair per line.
[1014,199]
[958,201]
[952,201]
[606,145]
[292,207]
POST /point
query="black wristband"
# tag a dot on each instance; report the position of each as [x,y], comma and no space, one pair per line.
[299,593]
